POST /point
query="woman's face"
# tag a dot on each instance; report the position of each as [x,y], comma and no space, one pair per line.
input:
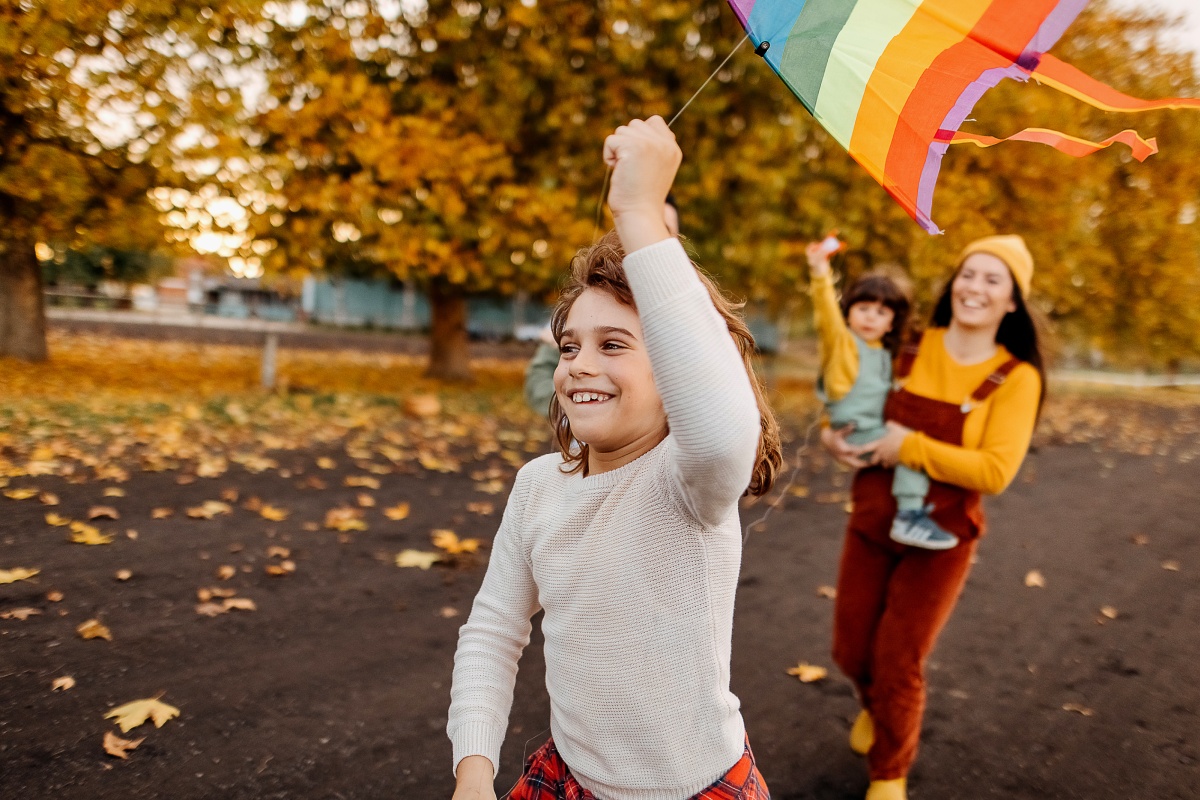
[982,292]
[604,382]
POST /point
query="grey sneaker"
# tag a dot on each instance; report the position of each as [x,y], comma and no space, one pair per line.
[917,529]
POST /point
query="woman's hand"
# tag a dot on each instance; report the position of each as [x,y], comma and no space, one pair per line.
[842,451]
[476,779]
[644,157]
[887,449]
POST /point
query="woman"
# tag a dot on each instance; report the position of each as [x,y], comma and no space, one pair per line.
[971,390]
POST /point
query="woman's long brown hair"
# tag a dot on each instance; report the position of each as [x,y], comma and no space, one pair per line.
[600,267]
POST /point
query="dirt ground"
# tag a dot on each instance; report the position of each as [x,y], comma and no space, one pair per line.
[337,686]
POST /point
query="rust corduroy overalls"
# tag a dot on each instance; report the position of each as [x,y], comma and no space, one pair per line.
[892,600]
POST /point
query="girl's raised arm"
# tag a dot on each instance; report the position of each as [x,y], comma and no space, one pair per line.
[711,408]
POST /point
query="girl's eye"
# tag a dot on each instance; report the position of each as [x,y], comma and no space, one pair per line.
[612,346]
[567,349]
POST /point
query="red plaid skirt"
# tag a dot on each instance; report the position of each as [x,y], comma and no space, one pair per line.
[547,777]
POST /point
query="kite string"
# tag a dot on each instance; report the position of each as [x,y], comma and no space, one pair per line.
[608,171]
[801,449]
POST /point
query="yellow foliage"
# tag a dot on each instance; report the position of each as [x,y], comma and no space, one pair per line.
[131,715]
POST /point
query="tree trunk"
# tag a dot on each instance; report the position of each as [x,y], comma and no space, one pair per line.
[449,352]
[22,319]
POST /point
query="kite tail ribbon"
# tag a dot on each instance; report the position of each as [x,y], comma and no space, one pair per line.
[1075,83]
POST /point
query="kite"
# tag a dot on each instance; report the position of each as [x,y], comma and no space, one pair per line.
[892,80]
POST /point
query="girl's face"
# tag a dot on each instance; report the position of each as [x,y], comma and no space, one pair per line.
[982,292]
[603,381]
[870,319]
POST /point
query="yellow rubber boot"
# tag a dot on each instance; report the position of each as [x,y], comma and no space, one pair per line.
[895,789]
[862,734]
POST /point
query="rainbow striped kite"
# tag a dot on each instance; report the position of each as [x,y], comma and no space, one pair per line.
[892,80]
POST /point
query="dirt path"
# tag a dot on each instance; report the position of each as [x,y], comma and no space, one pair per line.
[337,686]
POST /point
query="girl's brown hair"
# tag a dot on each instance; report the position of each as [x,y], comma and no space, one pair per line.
[600,267]
[876,287]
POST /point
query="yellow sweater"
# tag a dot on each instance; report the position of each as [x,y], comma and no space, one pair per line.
[996,432]
[839,353]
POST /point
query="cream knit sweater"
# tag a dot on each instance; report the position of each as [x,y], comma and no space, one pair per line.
[636,570]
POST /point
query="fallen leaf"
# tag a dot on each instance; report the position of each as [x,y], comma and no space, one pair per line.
[114,491]
[53,597]
[123,575]
[19,613]
[131,715]
[253,504]
[57,520]
[799,491]
[209,509]
[1078,709]
[808,673]
[365,500]
[417,558]
[48,499]
[225,572]
[20,494]
[212,609]
[364,481]
[282,568]
[82,533]
[103,512]
[490,487]
[94,629]
[1035,579]
[62,684]
[17,574]
[162,513]
[422,405]
[130,533]
[482,508]
[447,612]
[281,552]
[273,513]
[1171,566]
[116,746]
[1140,539]
[827,591]
[1109,611]
[240,603]
[345,519]
[397,512]
[326,463]
[311,526]
[229,494]
[448,540]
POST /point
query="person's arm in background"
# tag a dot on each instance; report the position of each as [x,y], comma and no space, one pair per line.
[839,353]
[993,465]
[539,375]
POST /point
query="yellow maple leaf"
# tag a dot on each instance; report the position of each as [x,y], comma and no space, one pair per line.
[345,519]
[209,509]
[326,463]
[808,673]
[273,513]
[131,715]
[397,512]
[20,494]
[417,558]
[94,629]
[57,520]
[17,573]
[162,513]
[103,512]
[364,481]
[82,533]
[114,491]
[448,540]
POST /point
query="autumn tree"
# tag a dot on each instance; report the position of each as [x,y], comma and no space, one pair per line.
[94,94]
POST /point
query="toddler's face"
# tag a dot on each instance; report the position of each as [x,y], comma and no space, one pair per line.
[603,381]
[870,319]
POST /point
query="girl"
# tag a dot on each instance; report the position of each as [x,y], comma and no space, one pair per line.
[629,539]
[858,340]
[971,392]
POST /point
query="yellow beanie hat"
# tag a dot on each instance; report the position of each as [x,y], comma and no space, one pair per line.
[1012,251]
